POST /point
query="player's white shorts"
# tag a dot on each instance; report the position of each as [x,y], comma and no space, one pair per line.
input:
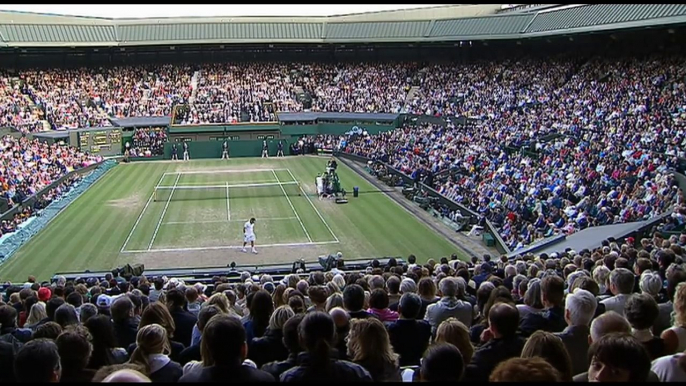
[249,238]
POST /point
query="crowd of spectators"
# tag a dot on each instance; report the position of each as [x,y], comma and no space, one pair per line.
[619,127]
[615,313]
[148,142]
[28,166]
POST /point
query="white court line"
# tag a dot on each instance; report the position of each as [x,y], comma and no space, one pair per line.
[292,207]
[197,187]
[224,221]
[230,247]
[140,216]
[189,184]
[228,208]
[314,207]
[164,211]
[223,171]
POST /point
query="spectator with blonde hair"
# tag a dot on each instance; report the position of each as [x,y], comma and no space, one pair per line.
[369,346]
[550,348]
[456,333]
[36,314]
[152,350]
[126,376]
[675,337]
[157,313]
[600,275]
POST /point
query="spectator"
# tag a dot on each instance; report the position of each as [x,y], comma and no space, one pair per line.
[393,287]
[105,350]
[408,335]
[552,318]
[675,337]
[503,342]
[193,353]
[291,341]
[318,296]
[621,285]
[261,307]
[38,361]
[456,333]
[126,376]
[152,346]
[224,347]
[532,299]
[36,314]
[157,313]
[125,326]
[86,312]
[270,346]
[580,306]
[426,289]
[651,283]
[449,305]
[618,357]
[528,369]
[66,315]
[353,301]
[442,362]
[183,320]
[8,323]
[370,347]
[49,330]
[378,305]
[550,348]
[670,368]
[641,312]
[317,331]
[75,352]
[341,320]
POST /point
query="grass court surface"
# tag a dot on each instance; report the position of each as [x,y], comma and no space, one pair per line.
[190,214]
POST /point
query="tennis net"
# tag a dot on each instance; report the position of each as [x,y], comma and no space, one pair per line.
[226,191]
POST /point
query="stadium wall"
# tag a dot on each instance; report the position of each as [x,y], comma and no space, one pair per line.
[213,149]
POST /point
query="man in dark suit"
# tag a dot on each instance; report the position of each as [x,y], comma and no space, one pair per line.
[184,320]
[502,343]
[580,307]
[409,336]
[224,339]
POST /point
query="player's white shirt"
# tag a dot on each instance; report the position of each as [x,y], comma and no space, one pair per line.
[249,232]
[249,229]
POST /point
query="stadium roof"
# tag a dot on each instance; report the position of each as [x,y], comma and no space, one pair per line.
[451,23]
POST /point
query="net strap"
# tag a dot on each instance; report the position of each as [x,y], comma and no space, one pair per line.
[226,186]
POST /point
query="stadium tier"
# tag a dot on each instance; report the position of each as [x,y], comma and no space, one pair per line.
[513,179]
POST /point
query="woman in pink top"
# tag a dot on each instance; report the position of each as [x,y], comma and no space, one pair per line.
[378,305]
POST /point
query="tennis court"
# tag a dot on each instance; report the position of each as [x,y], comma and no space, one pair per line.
[204,210]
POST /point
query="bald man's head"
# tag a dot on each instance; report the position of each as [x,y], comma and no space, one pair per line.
[126,376]
[340,317]
[607,323]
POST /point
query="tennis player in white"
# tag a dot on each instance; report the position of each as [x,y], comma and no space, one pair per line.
[249,235]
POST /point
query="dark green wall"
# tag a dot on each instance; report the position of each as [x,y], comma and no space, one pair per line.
[213,149]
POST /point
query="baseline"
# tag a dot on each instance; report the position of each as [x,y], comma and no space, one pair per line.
[230,247]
